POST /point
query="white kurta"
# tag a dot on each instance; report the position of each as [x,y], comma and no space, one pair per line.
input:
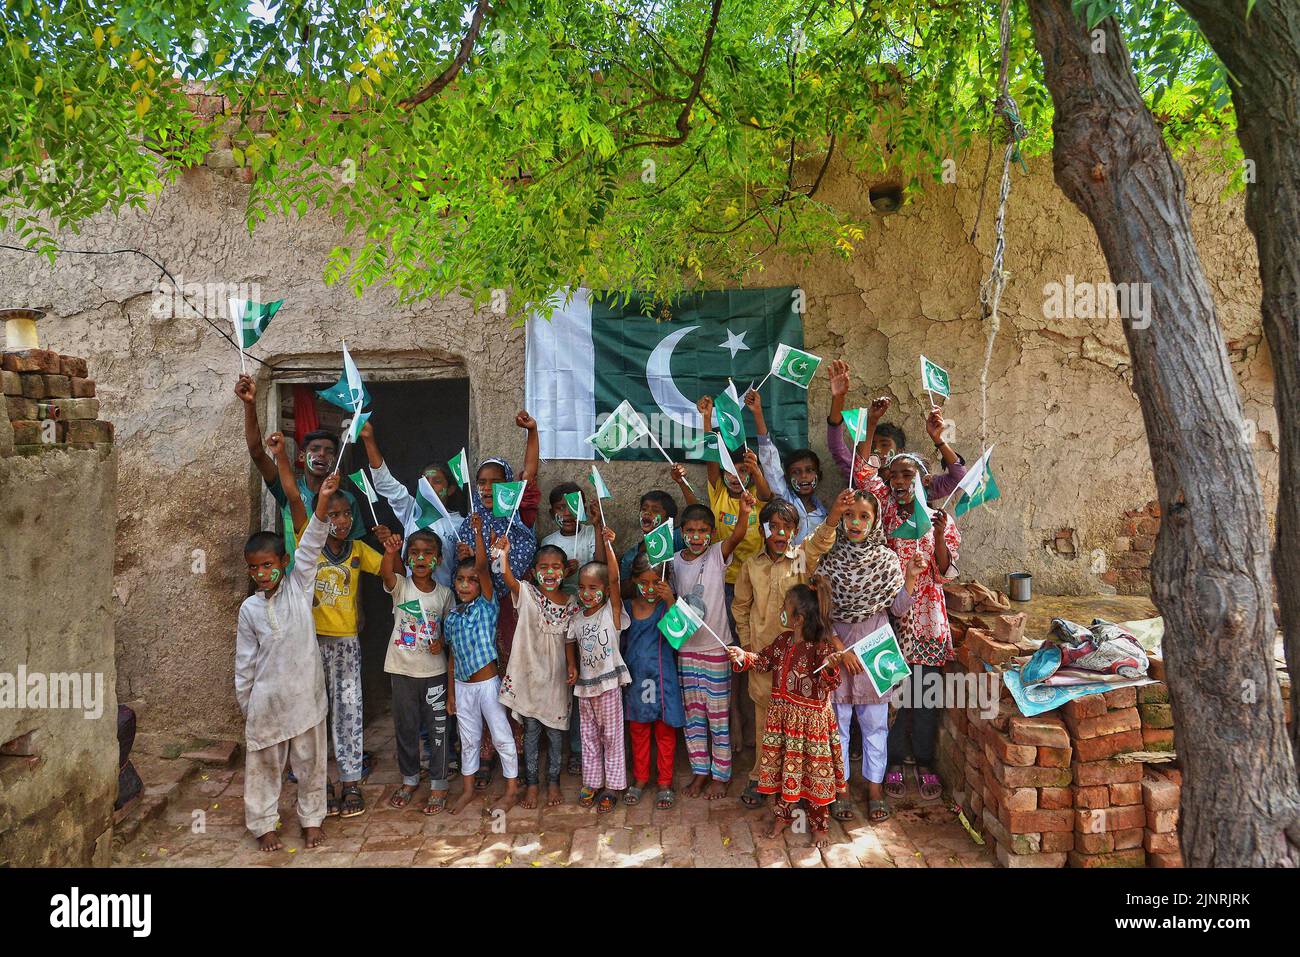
[279,681]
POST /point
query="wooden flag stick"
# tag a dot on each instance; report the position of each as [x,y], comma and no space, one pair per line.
[706,627]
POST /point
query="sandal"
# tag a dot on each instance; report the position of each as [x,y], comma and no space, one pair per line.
[353,804]
[895,786]
[402,796]
[331,802]
[842,809]
[751,797]
[483,776]
[632,796]
[665,798]
[608,801]
[436,804]
[587,797]
[878,811]
[928,784]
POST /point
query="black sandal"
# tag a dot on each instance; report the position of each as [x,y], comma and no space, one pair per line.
[331,802]
[608,801]
[751,797]
[402,796]
[483,776]
[353,804]
[842,809]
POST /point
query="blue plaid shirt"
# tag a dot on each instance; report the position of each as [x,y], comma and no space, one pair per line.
[472,632]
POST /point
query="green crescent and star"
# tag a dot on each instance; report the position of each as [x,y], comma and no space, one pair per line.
[662,363]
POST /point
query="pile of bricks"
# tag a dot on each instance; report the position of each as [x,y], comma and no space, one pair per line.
[50,401]
[1161,791]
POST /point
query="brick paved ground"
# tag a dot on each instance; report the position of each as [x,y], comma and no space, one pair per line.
[695,833]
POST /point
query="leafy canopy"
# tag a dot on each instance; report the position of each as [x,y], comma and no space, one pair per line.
[529,145]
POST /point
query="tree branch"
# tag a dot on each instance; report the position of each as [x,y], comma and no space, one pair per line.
[453,70]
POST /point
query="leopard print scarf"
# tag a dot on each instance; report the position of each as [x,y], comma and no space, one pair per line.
[864,576]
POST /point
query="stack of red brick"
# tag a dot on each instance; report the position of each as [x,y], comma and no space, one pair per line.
[51,402]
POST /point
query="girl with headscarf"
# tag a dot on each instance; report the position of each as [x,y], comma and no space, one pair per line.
[867,584]
[924,633]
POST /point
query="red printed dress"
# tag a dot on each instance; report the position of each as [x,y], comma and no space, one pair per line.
[801,757]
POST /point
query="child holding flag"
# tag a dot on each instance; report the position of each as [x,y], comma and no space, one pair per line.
[652,701]
[339,568]
[594,638]
[416,664]
[279,682]
[574,535]
[539,679]
[655,508]
[699,577]
[801,758]
[797,482]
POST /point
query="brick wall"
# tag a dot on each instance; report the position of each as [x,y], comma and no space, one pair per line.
[50,401]
[1129,558]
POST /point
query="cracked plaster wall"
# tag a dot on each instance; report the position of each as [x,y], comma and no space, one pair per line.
[1071,452]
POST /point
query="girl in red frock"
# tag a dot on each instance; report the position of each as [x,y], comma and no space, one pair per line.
[801,758]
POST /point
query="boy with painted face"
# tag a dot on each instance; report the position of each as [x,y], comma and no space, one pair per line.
[699,578]
[319,450]
[279,682]
[796,483]
[656,507]
[338,595]
[537,688]
[576,539]
[761,589]
[593,645]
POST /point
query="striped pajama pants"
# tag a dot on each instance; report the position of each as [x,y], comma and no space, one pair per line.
[706,695]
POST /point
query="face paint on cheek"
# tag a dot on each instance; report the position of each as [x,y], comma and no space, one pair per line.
[785,619]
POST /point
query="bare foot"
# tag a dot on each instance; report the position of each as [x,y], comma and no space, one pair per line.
[312,836]
[554,796]
[530,797]
[696,786]
[778,825]
[715,790]
[510,798]
[821,839]
[466,795]
[270,841]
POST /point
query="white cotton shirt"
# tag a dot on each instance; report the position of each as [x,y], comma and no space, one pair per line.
[408,645]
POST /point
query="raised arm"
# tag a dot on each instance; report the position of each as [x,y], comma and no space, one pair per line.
[678,475]
[612,581]
[313,537]
[705,405]
[532,448]
[732,541]
[750,464]
[246,389]
[297,510]
[481,566]
[502,542]
[388,567]
[399,499]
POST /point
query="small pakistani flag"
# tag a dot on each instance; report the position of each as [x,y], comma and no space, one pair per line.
[728,411]
[413,607]
[252,318]
[855,420]
[506,497]
[574,501]
[602,490]
[290,539]
[341,395]
[360,481]
[358,423]
[659,543]
[933,378]
[428,507]
[919,522]
[882,658]
[459,466]
[679,623]
[623,427]
[794,365]
[977,486]
[710,448]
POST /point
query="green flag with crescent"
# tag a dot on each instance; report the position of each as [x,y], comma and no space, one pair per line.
[505,498]
[659,543]
[679,624]
[882,658]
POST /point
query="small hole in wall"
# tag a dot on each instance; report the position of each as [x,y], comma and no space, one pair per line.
[886,197]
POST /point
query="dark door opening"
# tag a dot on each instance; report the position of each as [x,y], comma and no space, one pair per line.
[416,424]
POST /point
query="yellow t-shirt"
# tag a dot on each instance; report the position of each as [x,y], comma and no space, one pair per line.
[726,509]
[338,589]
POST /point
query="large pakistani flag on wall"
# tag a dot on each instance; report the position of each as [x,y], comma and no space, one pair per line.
[594,353]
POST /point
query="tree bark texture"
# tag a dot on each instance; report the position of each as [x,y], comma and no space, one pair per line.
[1210,568]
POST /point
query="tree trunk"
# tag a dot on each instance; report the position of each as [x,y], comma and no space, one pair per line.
[1262,54]
[1210,568]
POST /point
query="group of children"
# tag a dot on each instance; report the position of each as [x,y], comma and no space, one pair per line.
[495,636]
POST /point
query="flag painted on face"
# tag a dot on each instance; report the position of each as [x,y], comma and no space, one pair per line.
[977,486]
[623,427]
[882,658]
[252,318]
[659,543]
[505,498]
[679,623]
[729,416]
[428,507]
[794,365]
[574,501]
[602,490]
[459,466]
[918,523]
[595,351]
[933,378]
[360,481]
